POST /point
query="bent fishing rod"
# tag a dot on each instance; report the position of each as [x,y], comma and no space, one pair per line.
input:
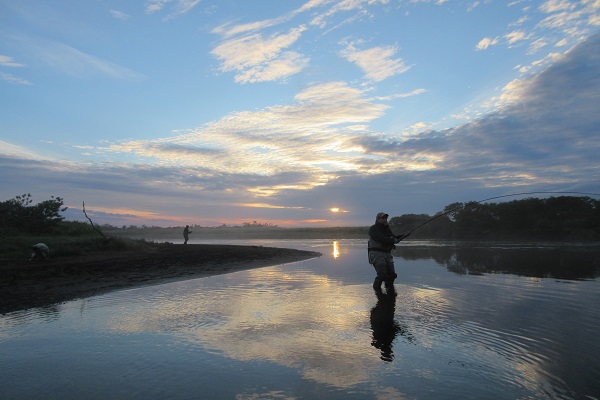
[488,199]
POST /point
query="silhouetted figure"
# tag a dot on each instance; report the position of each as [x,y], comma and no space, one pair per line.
[381,243]
[186,234]
[384,327]
[39,252]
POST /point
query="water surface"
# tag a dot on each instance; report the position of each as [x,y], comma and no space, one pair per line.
[469,322]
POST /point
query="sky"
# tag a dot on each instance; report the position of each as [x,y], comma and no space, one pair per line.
[295,113]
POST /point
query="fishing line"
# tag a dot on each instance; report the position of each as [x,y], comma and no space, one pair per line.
[493,198]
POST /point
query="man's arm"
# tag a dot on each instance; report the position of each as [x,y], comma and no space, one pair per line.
[377,235]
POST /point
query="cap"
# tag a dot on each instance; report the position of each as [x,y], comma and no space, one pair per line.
[381,215]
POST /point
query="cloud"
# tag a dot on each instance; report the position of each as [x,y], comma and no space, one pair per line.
[344,6]
[485,43]
[542,133]
[313,135]
[516,36]
[119,14]
[560,22]
[181,6]
[545,139]
[256,58]
[412,93]
[556,5]
[536,46]
[314,142]
[298,160]
[228,29]
[259,59]
[7,61]
[377,62]
[72,61]
[12,150]
[14,79]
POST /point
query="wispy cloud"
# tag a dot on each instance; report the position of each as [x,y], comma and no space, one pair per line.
[552,6]
[378,63]
[229,29]
[14,79]
[412,93]
[486,42]
[72,61]
[267,159]
[258,59]
[12,150]
[7,61]
[325,136]
[180,7]
[313,137]
[330,142]
[563,22]
[119,14]
[516,36]
[344,6]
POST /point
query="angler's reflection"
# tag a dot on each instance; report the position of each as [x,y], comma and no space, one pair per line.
[385,328]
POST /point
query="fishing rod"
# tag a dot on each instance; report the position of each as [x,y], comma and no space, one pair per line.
[488,199]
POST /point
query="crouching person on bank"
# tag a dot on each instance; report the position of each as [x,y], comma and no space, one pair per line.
[381,243]
[39,252]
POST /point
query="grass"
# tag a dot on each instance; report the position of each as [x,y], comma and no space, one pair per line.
[68,239]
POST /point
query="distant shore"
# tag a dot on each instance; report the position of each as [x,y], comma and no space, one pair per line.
[26,284]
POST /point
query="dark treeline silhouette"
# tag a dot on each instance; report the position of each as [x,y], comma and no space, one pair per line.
[565,218]
[19,215]
[556,218]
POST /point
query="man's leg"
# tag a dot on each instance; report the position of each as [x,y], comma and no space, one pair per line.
[380,265]
[390,272]
[378,281]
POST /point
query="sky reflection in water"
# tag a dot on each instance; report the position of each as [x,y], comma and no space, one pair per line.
[316,329]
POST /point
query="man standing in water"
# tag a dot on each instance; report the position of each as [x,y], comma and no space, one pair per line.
[186,233]
[381,243]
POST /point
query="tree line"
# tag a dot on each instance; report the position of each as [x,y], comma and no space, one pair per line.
[555,218]
[20,215]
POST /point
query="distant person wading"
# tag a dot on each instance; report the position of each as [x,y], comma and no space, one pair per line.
[186,234]
[381,243]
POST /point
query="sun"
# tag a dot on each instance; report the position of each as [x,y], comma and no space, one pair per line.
[334,210]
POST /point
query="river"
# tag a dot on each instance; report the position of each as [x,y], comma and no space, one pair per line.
[468,321]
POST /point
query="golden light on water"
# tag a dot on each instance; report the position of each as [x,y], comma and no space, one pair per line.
[336,250]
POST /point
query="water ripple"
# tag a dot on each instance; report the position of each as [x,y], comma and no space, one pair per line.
[314,330]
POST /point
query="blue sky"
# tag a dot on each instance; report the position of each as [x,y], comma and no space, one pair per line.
[174,112]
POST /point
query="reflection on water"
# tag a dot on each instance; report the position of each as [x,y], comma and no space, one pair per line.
[336,249]
[384,326]
[316,329]
[549,261]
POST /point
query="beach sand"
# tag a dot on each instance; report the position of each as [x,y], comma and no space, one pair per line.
[26,284]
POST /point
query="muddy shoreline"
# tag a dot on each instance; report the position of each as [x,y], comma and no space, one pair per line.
[27,284]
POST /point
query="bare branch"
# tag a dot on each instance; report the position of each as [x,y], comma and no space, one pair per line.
[91,223]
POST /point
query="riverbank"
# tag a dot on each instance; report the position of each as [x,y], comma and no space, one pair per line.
[26,284]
